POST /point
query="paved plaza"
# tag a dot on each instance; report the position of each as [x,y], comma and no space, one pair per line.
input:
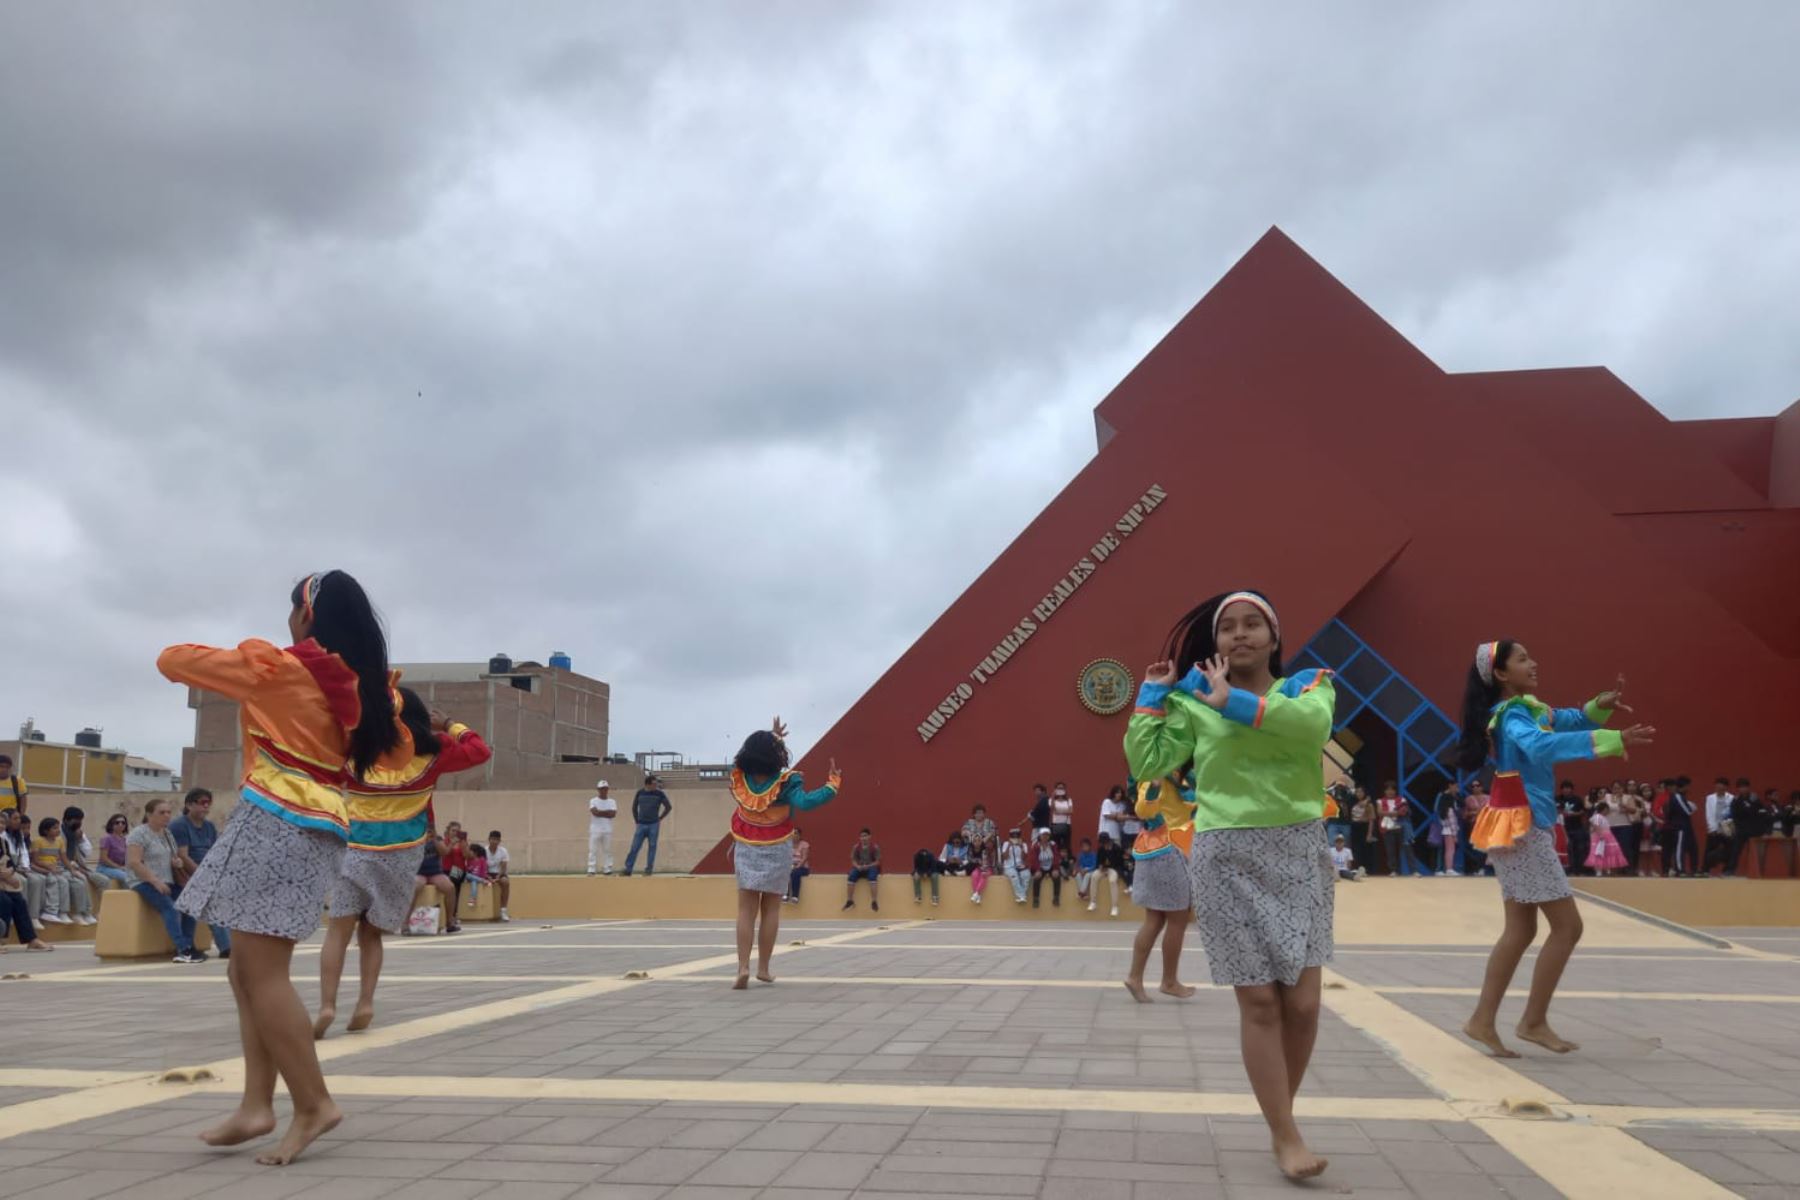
[907,1057]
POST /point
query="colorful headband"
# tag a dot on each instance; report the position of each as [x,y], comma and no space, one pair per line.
[1484,661]
[309,594]
[1268,611]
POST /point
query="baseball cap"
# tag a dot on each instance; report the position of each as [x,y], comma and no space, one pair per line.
[602,784]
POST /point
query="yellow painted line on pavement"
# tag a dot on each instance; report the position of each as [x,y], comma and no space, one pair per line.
[48,1077]
[1583,1161]
[1570,994]
[34,1116]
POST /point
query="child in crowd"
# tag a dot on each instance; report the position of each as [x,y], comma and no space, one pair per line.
[499,865]
[954,859]
[1341,860]
[1087,865]
[73,903]
[1605,855]
[478,871]
[112,850]
[1013,856]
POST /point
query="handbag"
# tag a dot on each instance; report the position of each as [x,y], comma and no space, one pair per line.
[423,922]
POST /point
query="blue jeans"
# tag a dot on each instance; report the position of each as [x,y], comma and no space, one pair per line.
[116,874]
[179,924]
[643,834]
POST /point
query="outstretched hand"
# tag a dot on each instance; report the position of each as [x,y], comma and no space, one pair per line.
[779,729]
[1637,735]
[1161,673]
[1614,701]
[834,772]
[1217,687]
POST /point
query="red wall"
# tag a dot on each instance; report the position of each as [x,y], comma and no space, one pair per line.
[1306,449]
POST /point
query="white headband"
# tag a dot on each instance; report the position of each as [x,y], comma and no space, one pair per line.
[1247,598]
[1484,661]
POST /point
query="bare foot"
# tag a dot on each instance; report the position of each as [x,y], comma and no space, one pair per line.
[1296,1161]
[743,981]
[1136,988]
[1178,989]
[322,1022]
[361,1019]
[241,1126]
[1488,1036]
[765,977]
[1543,1035]
[302,1131]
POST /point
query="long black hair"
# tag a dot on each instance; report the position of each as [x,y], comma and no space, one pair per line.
[417,719]
[345,623]
[1479,698]
[762,754]
[1191,640]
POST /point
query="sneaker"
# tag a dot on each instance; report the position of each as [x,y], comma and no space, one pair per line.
[848,905]
[874,906]
[608,871]
[87,919]
[1115,912]
[52,919]
[592,872]
[976,897]
[190,956]
[505,916]
[934,902]
[224,954]
[1092,906]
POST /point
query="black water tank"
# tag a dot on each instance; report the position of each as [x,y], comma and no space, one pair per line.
[500,664]
[88,738]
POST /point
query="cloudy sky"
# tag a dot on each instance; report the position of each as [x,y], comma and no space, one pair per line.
[721,345]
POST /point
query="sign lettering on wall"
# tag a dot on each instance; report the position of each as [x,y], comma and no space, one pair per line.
[1011,642]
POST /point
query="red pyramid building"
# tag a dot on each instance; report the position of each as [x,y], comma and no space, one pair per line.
[1284,437]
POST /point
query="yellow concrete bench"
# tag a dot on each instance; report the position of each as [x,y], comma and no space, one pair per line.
[485,909]
[130,928]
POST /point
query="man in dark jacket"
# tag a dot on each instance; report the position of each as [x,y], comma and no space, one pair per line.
[1679,851]
[648,808]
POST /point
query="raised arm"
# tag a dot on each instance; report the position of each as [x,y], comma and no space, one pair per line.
[234,674]
[460,748]
[1547,747]
[794,793]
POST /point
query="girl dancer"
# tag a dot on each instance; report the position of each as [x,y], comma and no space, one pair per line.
[767,794]
[1161,885]
[1526,739]
[310,713]
[1261,872]
[390,816]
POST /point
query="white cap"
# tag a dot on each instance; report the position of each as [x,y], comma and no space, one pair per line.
[602,784]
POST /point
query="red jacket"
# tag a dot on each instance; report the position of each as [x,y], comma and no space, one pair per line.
[1035,861]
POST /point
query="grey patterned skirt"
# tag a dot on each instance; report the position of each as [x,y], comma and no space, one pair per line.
[1529,871]
[764,868]
[1162,882]
[265,875]
[378,886]
[1264,899]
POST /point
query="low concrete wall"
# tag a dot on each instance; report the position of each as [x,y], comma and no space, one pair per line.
[1705,903]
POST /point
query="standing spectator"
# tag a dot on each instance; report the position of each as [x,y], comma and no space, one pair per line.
[13,792]
[648,808]
[1014,866]
[801,869]
[1112,815]
[150,855]
[1396,834]
[1343,799]
[1574,812]
[1630,833]
[1790,814]
[1046,860]
[499,860]
[1062,817]
[925,866]
[1604,855]
[1362,826]
[66,899]
[194,835]
[1678,830]
[1474,861]
[1618,819]
[1719,828]
[1109,866]
[1746,813]
[1447,809]
[865,863]
[14,910]
[980,835]
[1039,816]
[602,808]
[1129,829]
[112,851]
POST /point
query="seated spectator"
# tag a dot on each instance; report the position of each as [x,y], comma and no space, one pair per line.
[67,900]
[456,864]
[1046,862]
[478,871]
[112,851]
[925,866]
[1087,865]
[1014,863]
[981,868]
[865,863]
[802,867]
[150,854]
[195,835]
[953,859]
[1110,859]
[499,862]
[979,833]
[431,874]
[1341,860]
[14,910]
[80,853]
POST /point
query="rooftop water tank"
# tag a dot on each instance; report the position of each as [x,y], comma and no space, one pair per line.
[89,738]
[560,661]
[500,664]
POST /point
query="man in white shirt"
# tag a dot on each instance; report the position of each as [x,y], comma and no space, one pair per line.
[602,808]
[1718,837]
[1112,811]
[499,861]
